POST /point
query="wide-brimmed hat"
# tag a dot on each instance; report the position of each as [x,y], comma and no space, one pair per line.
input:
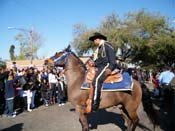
[97,35]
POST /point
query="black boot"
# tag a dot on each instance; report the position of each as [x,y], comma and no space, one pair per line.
[96,102]
[95,106]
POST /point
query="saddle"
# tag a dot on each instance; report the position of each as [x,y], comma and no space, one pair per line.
[114,77]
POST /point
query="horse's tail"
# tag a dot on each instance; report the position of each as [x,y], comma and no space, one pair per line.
[148,105]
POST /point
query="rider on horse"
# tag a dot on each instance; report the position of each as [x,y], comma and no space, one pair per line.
[105,62]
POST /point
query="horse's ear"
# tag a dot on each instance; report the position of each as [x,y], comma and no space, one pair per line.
[68,48]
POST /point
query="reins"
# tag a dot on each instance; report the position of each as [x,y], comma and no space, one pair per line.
[66,69]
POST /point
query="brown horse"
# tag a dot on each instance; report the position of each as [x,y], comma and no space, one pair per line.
[74,70]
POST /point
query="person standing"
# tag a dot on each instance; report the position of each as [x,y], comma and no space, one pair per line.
[52,79]
[31,80]
[165,77]
[156,86]
[3,78]
[164,80]
[10,94]
[36,82]
[105,63]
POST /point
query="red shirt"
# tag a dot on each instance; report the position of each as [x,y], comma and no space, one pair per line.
[155,83]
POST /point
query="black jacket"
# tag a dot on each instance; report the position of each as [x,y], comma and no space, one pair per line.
[106,55]
[3,77]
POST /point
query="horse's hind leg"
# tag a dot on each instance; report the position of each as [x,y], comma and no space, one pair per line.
[82,118]
[124,114]
[130,117]
[134,120]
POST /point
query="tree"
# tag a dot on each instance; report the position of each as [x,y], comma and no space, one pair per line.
[30,42]
[150,39]
[143,37]
[36,42]
[12,52]
[80,42]
[23,46]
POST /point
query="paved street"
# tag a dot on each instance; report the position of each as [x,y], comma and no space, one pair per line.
[64,118]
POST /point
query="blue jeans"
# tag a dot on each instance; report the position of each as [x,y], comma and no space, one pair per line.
[9,107]
[33,99]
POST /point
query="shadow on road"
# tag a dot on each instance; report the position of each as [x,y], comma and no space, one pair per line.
[16,127]
[103,117]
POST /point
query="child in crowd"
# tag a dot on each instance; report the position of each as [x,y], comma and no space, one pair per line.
[10,94]
[45,91]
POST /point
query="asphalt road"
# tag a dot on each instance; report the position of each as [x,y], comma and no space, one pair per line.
[64,118]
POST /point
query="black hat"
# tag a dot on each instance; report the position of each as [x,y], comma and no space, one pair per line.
[97,35]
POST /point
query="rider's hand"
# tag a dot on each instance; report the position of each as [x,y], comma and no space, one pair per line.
[91,63]
[108,71]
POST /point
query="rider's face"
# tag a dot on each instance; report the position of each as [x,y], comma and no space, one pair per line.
[97,41]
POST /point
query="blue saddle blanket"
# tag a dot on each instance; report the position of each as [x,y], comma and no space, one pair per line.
[125,85]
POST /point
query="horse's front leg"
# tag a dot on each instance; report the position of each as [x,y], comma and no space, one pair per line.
[82,118]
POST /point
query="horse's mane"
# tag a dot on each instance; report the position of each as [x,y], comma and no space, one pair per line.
[68,49]
[79,60]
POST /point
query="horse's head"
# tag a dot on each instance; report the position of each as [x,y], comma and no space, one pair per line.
[62,59]
[58,58]
[50,61]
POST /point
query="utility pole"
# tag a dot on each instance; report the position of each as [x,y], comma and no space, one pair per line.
[31,44]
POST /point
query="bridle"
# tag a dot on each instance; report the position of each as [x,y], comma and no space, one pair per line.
[65,57]
[53,57]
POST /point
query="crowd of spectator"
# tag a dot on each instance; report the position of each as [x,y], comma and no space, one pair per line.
[162,81]
[22,90]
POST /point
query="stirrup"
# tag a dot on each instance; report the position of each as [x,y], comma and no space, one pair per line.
[89,106]
[89,100]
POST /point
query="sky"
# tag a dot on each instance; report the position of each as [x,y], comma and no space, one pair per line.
[54,19]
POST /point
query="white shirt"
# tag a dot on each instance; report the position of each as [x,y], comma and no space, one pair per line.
[52,78]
